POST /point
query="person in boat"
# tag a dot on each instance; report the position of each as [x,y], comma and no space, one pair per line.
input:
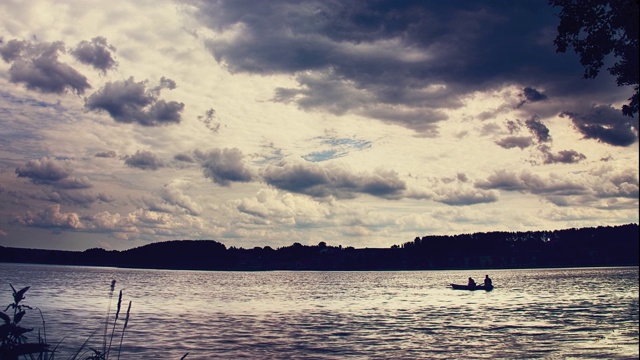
[487,281]
[471,283]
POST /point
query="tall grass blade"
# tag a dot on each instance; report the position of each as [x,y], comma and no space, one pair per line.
[113,329]
[106,322]
[126,321]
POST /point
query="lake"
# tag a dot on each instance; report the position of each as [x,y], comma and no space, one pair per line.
[586,313]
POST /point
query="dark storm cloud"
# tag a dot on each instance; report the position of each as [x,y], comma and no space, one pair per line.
[45,170]
[316,180]
[97,53]
[224,166]
[129,101]
[531,95]
[606,124]
[53,172]
[144,160]
[418,54]
[564,157]
[538,129]
[184,158]
[511,142]
[37,66]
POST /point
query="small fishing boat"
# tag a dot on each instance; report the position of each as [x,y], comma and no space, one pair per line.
[467,287]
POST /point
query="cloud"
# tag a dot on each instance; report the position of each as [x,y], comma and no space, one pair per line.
[141,223]
[272,207]
[65,188]
[461,197]
[564,156]
[534,125]
[52,172]
[106,154]
[527,182]
[81,198]
[542,136]
[184,158]
[96,53]
[171,199]
[418,59]
[44,171]
[224,166]
[73,182]
[530,94]
[208,119]
[126,227]
[318,180]
[422,120]
[515,141]
[513,126]
[610,182]
[155,203]
[606,124]
[50,217]
[145,160]
[538,129]
[489,129]
[128,101]
[383,74]
[37,66]
[173,194]
[604,188]
[454,191]
[533,95]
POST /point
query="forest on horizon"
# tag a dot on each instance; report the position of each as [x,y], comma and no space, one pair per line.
[599,246]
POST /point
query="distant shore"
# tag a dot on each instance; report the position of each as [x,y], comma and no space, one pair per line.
[585,247]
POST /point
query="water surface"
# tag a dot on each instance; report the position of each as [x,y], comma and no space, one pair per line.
[534,314]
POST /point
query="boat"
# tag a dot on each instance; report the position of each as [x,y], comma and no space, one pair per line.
[467,287]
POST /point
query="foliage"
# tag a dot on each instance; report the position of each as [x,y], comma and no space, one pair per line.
[14,343]
[598,28]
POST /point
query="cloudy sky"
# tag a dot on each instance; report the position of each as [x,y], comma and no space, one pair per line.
[254,123]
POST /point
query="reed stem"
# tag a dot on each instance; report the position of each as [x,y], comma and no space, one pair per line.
[113,329]
[106,322]
[126,321]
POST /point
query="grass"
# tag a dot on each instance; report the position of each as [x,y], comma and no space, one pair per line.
[15,344]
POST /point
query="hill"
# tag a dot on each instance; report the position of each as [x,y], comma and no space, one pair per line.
[601,246]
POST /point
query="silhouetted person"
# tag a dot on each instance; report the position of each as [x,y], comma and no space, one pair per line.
[487,281]
[471,283]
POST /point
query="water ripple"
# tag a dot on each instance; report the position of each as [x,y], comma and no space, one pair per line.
[533,314]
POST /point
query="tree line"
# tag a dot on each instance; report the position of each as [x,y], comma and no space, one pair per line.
[600,246]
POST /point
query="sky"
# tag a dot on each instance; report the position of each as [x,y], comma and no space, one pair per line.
[265,123]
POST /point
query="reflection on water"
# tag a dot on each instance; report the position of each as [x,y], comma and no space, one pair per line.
[542,313]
